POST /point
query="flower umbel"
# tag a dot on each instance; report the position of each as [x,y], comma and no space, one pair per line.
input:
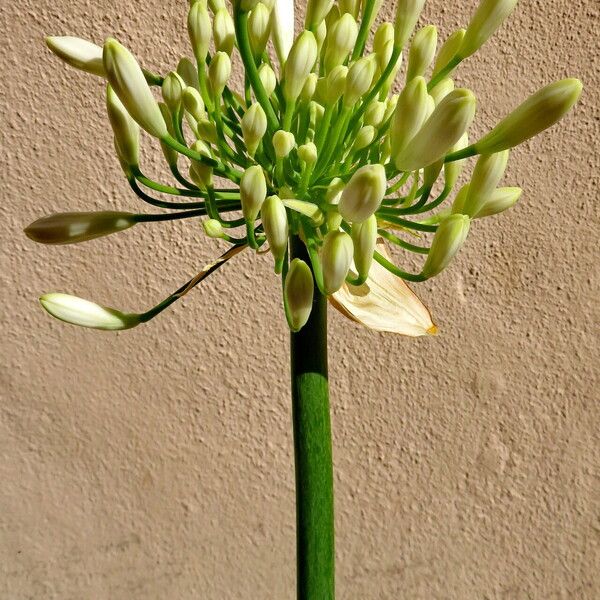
[316,148]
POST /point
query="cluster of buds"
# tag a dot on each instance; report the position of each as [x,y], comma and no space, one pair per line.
[317,146]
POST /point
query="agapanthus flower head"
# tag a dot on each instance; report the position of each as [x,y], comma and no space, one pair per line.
[318,150]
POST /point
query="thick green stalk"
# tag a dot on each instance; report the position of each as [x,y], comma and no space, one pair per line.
[312,449]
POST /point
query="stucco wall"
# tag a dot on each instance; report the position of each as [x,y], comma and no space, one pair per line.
[157,463]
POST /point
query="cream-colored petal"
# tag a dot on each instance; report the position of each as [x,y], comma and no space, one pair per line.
[384,303]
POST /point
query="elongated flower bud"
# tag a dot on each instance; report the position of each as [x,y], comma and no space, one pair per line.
[223,31]
[409,115]
[363,138]
[383,36]
[316,11]
[267,78]
[192,100]
[500,200]
[452,170]
[487,18]
[340,41]
[486,175]
[274,219]
[283,143]
[336,258]
[299,290]
[129,83]
[407,15]
[364,238]
[441,90]
[336,84]
[282,30]
[309,87]
[449,121]
[219,72]
[447,241]
[259,28]
[363,194]
[308,209]
[538,112]
[308,153]
[126,130]
[172,90]
[359,79]
[422,51]
[72,228]
[171,156]
[299,64]
[201,174]
[78,53]
[375,113]
[188,72]
[84,313]
[199,29]
[320,35]
[254,126]
[448,50]
[253,191]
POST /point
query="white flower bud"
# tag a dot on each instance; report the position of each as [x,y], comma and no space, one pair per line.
[274,219]
[308,90]
[254,127]
[299,64]
[308,209]
[487,18]
[172,90]
[375,113]
[407,15]
[308,153]
[364,238]
[363,194]
[453,169]
[219,72]
[336,84]
[188,72]
[215,5]
[441,90]
[409,115]
[84,313]
[126,130]
[538,112]
[267,78]
[213,229]
[486,176]
[333,196]
[253,191]
[78,53]
[259,28]
[449,121]
[422,51]
[340,41]
[200,173]
[382,38]
[206,130]
[320,35]
[193,103]
[316,11]
[349,6]
[447,241]
[298,291]
[500,200]
[458,206]
[282,30]
[223,31]
[72,228]
[364,137]
[199,29]
[283,143]
[359,79]
[448,50]
[129,83]
[336,258]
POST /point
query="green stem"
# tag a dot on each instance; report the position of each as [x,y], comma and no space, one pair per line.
[312,451]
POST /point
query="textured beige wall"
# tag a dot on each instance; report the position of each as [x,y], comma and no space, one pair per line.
[157,463]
